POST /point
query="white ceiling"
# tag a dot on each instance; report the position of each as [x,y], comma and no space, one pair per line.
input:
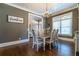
[41,7]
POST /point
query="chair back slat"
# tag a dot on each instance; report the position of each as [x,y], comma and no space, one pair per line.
[54,34]
[34,36]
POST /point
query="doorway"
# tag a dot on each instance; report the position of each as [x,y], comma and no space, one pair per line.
[35,23]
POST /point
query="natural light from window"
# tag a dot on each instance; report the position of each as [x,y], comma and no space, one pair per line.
[63,23]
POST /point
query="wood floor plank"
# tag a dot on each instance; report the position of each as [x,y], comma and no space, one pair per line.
[25,49]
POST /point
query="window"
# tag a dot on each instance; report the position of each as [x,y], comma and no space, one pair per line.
[56,23]
[63,23]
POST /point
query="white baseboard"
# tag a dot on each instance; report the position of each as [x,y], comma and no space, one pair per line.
[66,39]
[13,42]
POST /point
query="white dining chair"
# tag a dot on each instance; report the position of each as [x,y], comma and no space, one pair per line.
[53,38]
[37,41]
[56,37]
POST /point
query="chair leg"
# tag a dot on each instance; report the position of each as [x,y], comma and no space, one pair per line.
[58,46]
[57,43]
[53,44]
[33,46]
[37,47]
[44,46]
[50,46]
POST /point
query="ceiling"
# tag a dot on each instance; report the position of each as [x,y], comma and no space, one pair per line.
[41,7]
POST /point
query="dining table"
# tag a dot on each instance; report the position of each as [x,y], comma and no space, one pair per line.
[44,37]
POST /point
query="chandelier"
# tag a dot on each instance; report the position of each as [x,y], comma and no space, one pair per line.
[46,13]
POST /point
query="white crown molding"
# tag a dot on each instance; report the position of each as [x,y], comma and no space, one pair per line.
[30,11]
[25,9]
[13,43]
[64,10]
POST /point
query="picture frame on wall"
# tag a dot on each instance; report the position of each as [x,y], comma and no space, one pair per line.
[15,19]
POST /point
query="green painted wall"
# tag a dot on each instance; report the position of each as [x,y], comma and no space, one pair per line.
[12,31]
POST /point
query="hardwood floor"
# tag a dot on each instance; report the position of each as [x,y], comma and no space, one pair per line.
[25,49]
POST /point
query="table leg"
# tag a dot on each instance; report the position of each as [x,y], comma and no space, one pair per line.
[44,44]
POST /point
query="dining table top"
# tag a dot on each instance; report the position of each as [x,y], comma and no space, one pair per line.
[45,36]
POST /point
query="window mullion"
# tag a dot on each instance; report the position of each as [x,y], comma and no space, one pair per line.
[60,27]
